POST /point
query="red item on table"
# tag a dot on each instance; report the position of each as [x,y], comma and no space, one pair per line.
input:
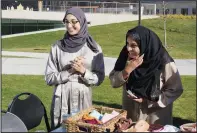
[155,127]
[93,121]
[89,119]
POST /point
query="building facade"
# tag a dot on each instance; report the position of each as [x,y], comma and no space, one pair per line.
[177,7]
[5,4]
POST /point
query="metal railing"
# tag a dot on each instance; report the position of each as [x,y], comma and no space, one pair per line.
[86,6]
[98,7]
[180,7]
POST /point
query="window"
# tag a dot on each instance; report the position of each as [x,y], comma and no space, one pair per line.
[174,11]
[147,11]
[167,11]
[193,11]
[157,11]
[151,11]
[184,11]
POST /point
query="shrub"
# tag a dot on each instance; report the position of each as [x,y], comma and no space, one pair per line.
[179,16]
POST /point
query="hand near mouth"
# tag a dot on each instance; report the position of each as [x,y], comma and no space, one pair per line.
[132,65]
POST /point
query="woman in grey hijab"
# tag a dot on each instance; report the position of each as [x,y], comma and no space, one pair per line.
[75,64]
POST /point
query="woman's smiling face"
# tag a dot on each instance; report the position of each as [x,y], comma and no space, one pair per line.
[72,24]
[133,48]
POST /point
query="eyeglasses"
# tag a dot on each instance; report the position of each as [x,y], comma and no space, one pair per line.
[73,22]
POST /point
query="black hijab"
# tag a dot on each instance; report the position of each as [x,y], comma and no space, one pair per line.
[144,81]
[73,43]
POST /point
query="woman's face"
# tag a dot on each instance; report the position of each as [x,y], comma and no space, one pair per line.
[133,48]
[72,24]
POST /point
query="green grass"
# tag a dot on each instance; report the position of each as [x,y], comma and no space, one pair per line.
[181,38]
[184,107]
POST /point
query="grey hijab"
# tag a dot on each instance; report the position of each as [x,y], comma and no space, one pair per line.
[73,43]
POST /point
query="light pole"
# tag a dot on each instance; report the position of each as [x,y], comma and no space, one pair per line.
[139,21]
[164,13]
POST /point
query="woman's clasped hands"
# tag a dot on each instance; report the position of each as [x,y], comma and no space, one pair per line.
[77,65]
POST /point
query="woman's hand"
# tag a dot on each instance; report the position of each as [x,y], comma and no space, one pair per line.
[78,65]
[133,97]
[80,59]
[132,65]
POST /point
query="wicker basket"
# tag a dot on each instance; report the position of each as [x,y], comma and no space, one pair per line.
[72,124]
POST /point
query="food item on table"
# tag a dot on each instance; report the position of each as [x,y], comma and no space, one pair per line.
[140,126]
[155,128]
[122,124]
[189,127]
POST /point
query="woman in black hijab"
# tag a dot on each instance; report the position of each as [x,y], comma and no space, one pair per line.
[148,74]
[75,64]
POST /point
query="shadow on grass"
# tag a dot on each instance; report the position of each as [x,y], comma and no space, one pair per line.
[107,104]
[179,121]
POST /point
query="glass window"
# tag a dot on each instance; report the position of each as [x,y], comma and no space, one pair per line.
[193,11]
[157,11]
[151,11]
[147,11]
[184,11]
[174,11]
[5,20]
[167,11]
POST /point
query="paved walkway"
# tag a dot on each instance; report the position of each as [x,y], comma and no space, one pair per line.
[35,63]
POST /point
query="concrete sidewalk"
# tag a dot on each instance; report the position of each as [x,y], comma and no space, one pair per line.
[36,64]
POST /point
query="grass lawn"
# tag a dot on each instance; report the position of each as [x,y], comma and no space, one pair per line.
[184,107]
[181,38]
